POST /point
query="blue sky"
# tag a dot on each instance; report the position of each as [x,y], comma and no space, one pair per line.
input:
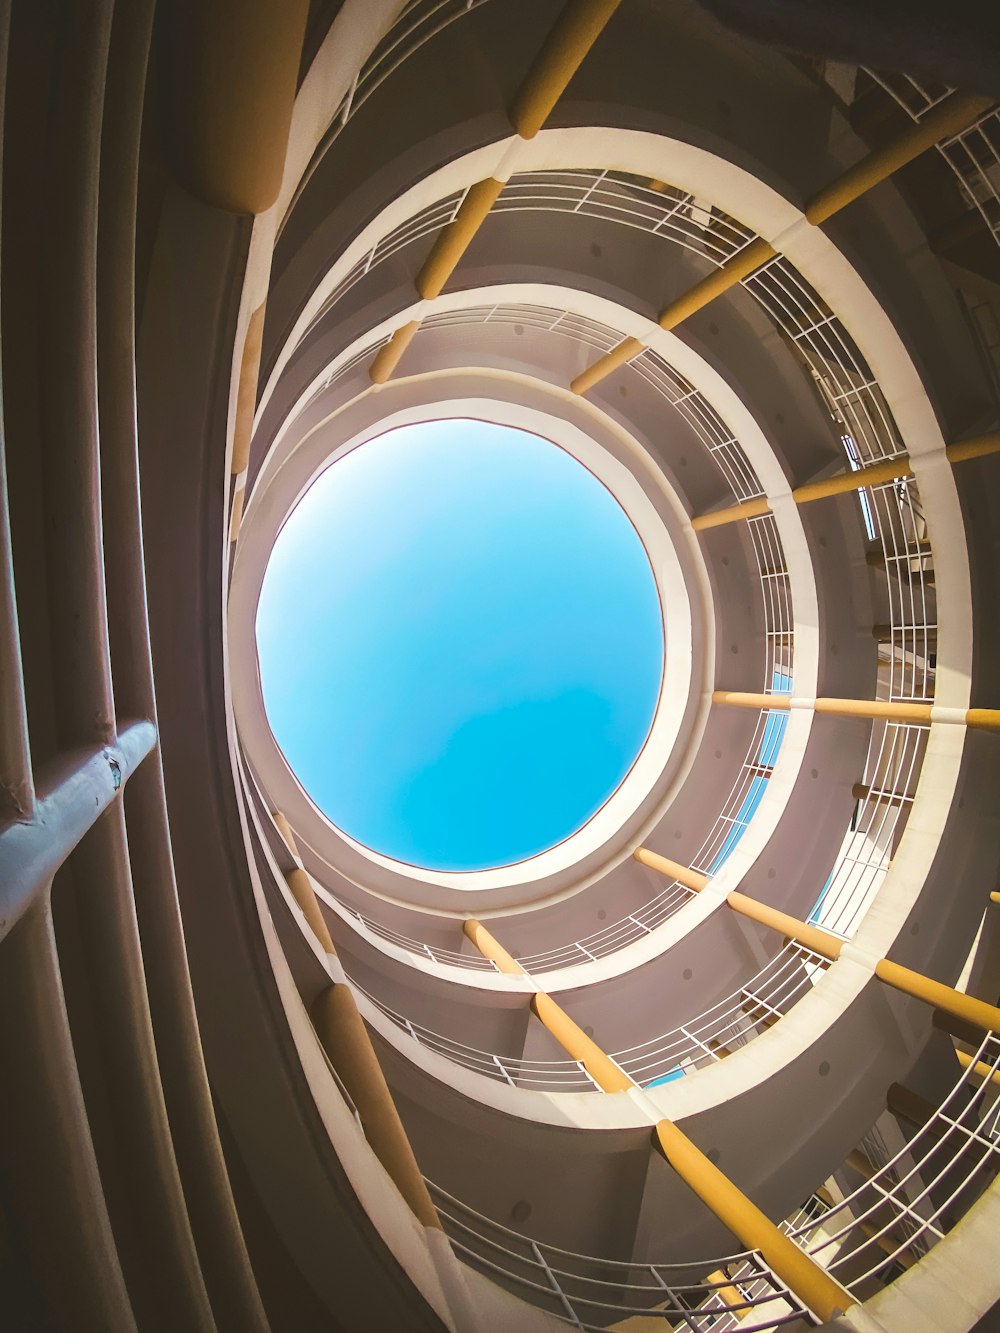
[460,644]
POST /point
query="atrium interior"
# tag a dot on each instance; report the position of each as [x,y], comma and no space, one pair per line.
[712,1043]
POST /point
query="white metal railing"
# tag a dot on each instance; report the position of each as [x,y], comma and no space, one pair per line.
[634,201]
[910,1199]
[589,1293]
[973,154]
[917,1195]
[895,753]
[727,1025]
[531,1075]
[429,220]
[581,328]
[891,513]
[417,23]
[450,957]
[742,800]
[705,1039]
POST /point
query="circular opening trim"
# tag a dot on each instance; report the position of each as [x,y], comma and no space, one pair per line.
[461,644]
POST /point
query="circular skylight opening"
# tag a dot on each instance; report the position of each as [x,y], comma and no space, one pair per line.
[460,643]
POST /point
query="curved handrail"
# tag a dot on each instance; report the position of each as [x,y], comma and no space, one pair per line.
[910,1200]
[891,513]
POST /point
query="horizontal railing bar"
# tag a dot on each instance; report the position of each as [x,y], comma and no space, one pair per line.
[72,795]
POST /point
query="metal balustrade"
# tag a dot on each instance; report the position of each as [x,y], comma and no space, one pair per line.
[427,222]
[910,1199]
[973,155]
[885,795]
[450,957]
[531,1075]
[634,201]
[702,1040]
[589,1293]
[416,24]
[778,614]
[891,513]
[917,1196]
[728,1025]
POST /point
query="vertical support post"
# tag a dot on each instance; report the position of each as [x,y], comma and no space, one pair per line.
[810,1283]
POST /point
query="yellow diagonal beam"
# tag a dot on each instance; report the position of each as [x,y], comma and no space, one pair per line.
[982,719]
[574,33]
[577,28]
[813,1285]
[964,1008]
[875,474]
[342,1034]
[951,117]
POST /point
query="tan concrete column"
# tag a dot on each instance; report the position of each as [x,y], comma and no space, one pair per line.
[803,1276]
[456,238]
[874,474]
[387,358]
[956,114]
[812,937]
[344,1038]
[575,1042]
[948,118]
[963,1008]
[574,33]
[235,69]
[691,879]
[813,1285]
[491,948]
[980,1069]
[303,890]
[984,719]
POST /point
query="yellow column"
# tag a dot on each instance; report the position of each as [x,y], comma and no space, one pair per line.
[577,28]
[979,447]
[691,879]
[823,1294]
[342,1034]
[995,897]
[604,365]
[455,239]
[748,699]
[876,474]
[237,68]
[246,394]
[300,884]
[575,1042]
[574,33]
[491,948]
[965,1007]
[985,719]
[731,514]
[950,117]
[819,941]
[387,357]
[810,1283]
[721,1285]
[733,271]
[345,1039]
[984,1072]
[956,114]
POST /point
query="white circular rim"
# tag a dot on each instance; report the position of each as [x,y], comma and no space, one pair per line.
[677,630]
[645,495]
